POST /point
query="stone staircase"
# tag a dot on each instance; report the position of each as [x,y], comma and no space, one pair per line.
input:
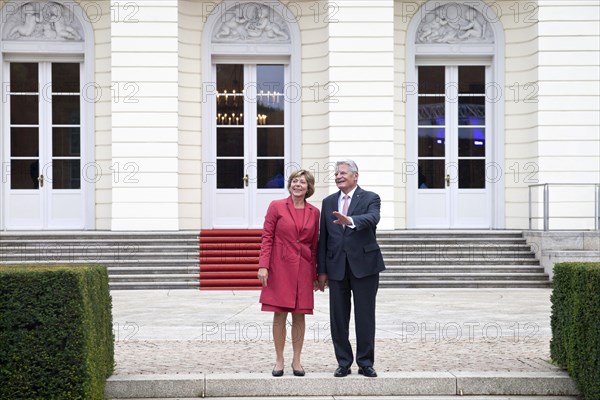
[459,259]
[170,260]
[154,260]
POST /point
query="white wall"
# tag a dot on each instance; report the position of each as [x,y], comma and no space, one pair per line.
[99,15]
[314,21]
[192,16]
[521,86]
[569,106]
[361,54]
[144,118]
[403,13]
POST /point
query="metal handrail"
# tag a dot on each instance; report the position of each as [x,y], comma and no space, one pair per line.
[546,199]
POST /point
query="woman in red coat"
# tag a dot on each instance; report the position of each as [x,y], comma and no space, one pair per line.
[287,265]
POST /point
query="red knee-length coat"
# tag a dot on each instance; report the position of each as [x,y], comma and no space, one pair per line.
[290,255]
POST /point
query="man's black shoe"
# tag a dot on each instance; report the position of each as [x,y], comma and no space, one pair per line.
[342,371]
[367,371]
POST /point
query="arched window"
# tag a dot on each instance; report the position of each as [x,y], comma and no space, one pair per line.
[251,110]
[455,131]
[47,110]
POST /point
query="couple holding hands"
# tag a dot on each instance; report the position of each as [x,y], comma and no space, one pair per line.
[303,251]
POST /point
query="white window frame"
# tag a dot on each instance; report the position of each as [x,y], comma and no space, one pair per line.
[246,53]
[491,54]
[55,51]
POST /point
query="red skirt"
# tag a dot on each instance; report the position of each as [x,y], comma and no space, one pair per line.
[268,307]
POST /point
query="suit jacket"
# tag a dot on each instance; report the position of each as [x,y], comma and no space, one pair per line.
[290,255]
[358,244]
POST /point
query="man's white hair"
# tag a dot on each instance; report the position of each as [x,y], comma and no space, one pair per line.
[349,163]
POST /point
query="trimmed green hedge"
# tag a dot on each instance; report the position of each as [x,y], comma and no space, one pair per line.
[56,339]
[575,324]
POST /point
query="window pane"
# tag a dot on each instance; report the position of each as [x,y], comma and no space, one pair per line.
[270,91]
[24,110]
[432,80]
[270,174]
[65,174]
[269,79]
[431,174]
[471,79]
[471,142]
[471,110]
[230,174]
[24,174]
[230,142]
[65,77]
[24,142]
[230,77]
[66,142]
[268,112]
[230,98]
[65,110]
[270,142]
[432,142]
[471,174]
[230,110]
[23,77]
[432,111]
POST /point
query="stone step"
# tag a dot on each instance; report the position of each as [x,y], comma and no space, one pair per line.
[465,261]
[449,240]
[167,278]
[140,260]
[95,245]
[150,263]
[414,384]
[115,271]
[33,237]
[99,257]
[469,234]
[463,284]
[465,247]
[150,285]
[463,268]
[474,276]
[455,255]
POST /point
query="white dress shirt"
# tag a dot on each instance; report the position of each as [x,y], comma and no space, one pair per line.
[341,205]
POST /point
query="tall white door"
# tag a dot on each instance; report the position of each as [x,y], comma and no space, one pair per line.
[250,144]
[42,148]
[452,183]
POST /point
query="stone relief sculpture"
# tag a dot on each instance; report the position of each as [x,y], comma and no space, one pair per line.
[251,22]
[454,23]
[42,21]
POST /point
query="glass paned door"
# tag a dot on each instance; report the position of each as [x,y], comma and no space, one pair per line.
[451,147]
[251,145]
[44,142]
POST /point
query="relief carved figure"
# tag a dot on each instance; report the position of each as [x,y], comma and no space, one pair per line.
[452,25]
[27,27]
[252,22]
[42,21]
[58,25]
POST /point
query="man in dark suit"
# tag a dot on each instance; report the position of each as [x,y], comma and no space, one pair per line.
[349,261]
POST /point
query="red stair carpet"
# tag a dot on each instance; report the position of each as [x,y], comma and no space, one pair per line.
[229,259]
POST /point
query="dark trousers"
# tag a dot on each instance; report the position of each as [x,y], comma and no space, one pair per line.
[364,292]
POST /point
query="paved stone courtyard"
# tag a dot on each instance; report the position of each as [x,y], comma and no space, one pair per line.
[190,331]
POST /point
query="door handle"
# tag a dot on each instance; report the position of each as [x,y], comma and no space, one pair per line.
[447,180]
[41,180]
[246,179]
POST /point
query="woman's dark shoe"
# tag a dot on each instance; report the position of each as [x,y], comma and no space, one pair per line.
[277,372]
[298,372]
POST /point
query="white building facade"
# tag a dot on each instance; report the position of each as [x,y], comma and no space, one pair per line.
[189,115]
